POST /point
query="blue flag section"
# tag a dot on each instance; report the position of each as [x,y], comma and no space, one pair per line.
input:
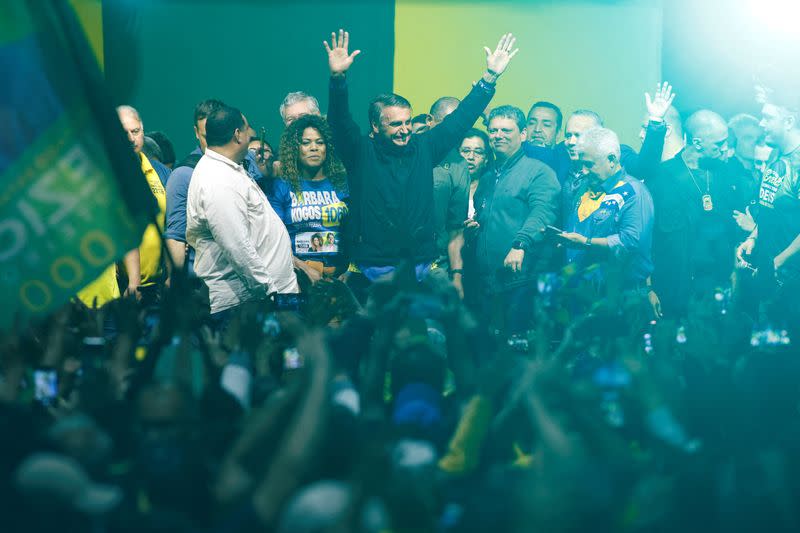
[72,196]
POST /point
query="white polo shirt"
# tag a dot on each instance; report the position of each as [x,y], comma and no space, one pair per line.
[242,249]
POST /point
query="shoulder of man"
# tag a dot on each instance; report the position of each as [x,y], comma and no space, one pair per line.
[180,174]
[626,151]
[535,166]
[633,186]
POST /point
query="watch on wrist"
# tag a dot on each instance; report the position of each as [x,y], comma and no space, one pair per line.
[518,245]
[456,271]
[588,242]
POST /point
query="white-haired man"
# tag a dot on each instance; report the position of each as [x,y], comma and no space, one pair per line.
[611,221]
[142,264]
[297,104]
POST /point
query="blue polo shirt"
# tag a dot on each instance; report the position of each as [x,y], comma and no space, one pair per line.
[621,210]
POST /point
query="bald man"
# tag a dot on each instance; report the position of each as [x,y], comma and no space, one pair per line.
[695,235]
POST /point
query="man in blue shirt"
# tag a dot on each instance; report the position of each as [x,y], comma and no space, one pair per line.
[178,188]
[611,219]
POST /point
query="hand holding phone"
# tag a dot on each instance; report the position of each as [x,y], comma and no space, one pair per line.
[45,382]
[553,229]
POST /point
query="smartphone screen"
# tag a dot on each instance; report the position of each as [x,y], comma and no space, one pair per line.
[289,302]
[45,385]
[292,359]
[93,354]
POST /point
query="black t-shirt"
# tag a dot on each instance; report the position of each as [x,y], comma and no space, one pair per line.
[694,225]
[779,209]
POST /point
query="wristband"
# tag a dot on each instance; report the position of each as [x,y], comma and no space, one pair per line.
[456,271]
[492,74]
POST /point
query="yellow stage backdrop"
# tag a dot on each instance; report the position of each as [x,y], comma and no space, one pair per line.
[598,54]
[90,15]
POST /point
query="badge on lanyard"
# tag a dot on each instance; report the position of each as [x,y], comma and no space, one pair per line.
[708,205]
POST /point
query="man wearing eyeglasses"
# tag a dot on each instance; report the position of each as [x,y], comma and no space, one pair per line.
[450,195]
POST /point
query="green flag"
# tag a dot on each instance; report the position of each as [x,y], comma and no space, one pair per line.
[73,199]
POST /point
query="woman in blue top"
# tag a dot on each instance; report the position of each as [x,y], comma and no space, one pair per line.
[311,196]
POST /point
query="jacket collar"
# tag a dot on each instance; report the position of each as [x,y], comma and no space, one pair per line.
[511,161]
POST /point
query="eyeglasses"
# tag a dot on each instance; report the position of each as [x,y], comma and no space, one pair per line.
[255,152]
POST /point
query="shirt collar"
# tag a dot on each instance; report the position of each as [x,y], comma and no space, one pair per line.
[222,159]
[608,184]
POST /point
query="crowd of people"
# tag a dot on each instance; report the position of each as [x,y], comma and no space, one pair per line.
[430,326]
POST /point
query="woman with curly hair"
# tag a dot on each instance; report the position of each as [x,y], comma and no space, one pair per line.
[311,195]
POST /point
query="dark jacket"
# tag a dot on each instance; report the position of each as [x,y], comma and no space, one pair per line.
[450,199]
[391,187]
[513,203]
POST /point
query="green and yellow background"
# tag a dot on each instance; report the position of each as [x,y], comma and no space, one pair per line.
[163,56]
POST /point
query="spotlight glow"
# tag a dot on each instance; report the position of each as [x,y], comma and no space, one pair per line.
[776,16]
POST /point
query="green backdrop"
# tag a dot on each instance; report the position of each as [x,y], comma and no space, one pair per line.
[163,57]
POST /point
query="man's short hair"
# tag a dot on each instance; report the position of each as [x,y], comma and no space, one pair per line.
[553,107]
[599,140]
[443,107]
[129,110]
[673,118]
[591,114]
[738,124]
[422,118]
[151,149]
[742,121]
[381,101]
[295,97]
[165,145]
[511,112]
[205,108]
[221,124]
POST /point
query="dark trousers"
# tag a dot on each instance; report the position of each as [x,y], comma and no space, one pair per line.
[510,311]
[218,322]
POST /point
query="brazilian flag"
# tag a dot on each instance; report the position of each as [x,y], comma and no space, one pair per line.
[72,196]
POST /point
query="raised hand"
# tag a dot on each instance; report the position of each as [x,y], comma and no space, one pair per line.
[658,105]
[498,60]
[339,56]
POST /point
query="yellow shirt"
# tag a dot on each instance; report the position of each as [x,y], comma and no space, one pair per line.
[105,287]
[150,248]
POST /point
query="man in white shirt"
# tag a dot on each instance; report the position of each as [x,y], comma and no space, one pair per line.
[243,251]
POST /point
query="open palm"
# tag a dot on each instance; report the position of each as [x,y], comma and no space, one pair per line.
[498,60]
[658,106]
[339,56]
